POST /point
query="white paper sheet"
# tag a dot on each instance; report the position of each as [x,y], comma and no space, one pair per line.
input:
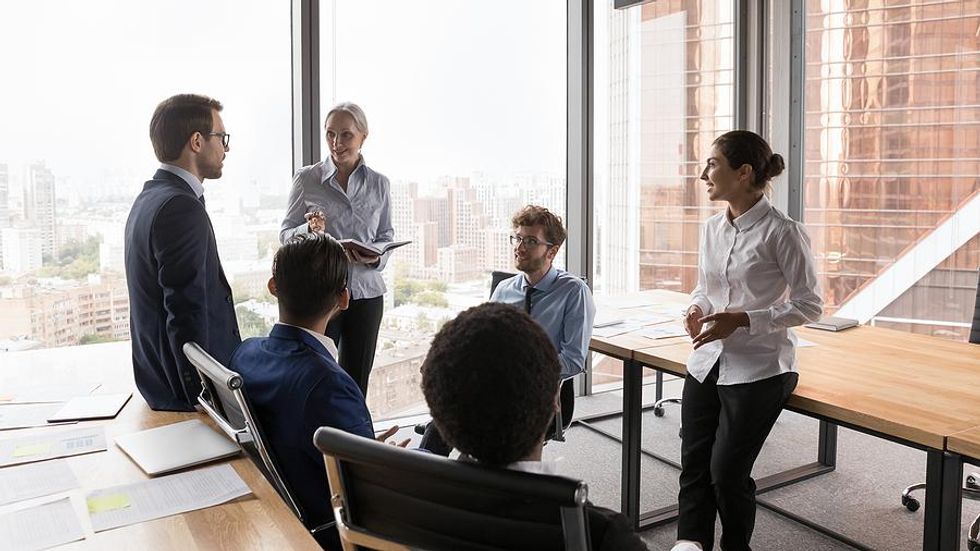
[41,526]
[49,445]
[663,331]
[646,317]
[55,392]
[35,480]
[613,330]
[19,416]
[99,406]
[803,343]
[161,497]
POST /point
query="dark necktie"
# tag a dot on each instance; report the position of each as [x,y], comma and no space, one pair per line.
[201,199]
[527,298]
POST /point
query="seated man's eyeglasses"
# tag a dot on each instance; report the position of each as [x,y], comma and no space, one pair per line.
[225,137]
[519,240]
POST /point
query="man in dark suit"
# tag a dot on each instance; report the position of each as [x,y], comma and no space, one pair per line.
[177,289]
[292,377]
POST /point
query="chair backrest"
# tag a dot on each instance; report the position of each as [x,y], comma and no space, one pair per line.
[975,326]
[223,398]
[385,497]
[496,277]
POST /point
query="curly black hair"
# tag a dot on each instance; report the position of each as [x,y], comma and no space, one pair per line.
[490,379]
[310,271]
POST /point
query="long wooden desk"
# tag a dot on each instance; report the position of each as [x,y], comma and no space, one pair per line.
[258,521]
[912,389]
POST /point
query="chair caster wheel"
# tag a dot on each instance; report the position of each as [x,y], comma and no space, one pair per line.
[910,503]
[658,411]
[973,546]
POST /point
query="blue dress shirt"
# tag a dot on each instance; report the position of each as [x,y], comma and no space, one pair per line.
[562,304]
[363,212]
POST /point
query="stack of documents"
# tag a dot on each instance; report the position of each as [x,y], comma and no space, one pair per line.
[833,324]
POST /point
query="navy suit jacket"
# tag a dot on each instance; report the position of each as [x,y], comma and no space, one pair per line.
[177,292]
[295,386]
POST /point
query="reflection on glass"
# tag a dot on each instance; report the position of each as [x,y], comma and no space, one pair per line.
[892,128]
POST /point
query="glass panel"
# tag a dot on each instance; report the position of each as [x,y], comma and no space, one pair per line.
[663,87]
[75,151]
[892,140]
[468,125]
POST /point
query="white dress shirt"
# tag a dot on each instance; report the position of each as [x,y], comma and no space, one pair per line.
[747,265]
[326,341]
[196,185]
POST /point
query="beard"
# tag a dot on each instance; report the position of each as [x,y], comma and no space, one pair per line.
[530,265]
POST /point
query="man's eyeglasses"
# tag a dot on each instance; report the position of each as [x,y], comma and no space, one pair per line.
[225,137]
[518,240]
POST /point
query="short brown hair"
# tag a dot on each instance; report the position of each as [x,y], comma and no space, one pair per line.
[533,215]
[176,119]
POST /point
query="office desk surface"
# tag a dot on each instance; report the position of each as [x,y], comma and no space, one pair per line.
[261,520]
[966,443]
[623,346]
[914,387]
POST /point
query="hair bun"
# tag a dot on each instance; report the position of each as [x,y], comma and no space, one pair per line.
[775,166]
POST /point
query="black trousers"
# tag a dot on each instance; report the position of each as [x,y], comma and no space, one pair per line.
[724,427]
[355,330]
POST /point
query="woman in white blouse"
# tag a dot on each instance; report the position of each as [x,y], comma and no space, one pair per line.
[345,198]
[756,279]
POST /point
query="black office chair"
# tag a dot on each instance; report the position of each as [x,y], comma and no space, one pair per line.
[223,398]
[388,498]
[972,488]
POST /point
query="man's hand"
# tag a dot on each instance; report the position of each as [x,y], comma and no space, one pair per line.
[692,321]
[388,434]
[725,323]
[317,221]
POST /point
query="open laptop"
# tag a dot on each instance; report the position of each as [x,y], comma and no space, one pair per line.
[178,446]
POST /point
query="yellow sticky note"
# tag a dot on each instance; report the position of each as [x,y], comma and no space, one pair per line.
[32,449]
[108,502]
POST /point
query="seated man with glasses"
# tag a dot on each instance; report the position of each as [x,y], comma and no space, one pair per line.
[493,346]
[292,377]
[560,302]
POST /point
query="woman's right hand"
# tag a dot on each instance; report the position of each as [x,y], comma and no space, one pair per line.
[692,323]
[316,221]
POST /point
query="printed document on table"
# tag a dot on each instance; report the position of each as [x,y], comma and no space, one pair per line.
[613,330]
[40,526]
[35,480]
[49,445]
[19,416]
[663,331]
[55,392]
[165,496]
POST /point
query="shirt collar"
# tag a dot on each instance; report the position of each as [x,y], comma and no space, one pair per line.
[752,215]
[329,169]
[191,180]
[546,282]
[326,341]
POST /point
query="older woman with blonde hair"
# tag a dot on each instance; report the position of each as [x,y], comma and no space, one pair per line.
[343,197]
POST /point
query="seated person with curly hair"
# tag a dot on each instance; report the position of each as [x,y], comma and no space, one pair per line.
[496,346]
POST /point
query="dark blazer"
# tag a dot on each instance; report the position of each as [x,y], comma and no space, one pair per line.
[177,292]
[295,386]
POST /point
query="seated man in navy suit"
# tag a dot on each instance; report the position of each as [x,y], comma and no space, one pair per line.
[292,377]
[500,347]
[177,289]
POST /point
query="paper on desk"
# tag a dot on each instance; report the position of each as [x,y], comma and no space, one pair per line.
[41,526]
[164,496]
[803,343]
[35,480]
[49,445]
[19,416]
[55,392]
[647,317]
[613,330]
[663,331]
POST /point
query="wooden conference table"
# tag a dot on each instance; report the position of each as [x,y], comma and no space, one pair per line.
[912,389]
[257,521]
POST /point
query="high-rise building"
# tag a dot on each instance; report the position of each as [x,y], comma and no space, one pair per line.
[39,206]
[20,249]
[4,204]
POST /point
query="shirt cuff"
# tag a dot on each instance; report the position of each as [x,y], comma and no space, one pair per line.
[759,322]
[701,303]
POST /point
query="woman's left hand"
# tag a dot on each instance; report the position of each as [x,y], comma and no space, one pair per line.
[725,323]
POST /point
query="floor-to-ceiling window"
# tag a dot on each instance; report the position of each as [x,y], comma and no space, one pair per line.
[80,82]
[466,110]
